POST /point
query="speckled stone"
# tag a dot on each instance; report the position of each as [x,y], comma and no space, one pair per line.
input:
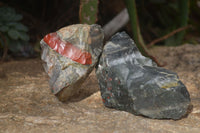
[69,56]
[133,83]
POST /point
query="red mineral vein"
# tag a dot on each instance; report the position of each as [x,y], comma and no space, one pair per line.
[67,49]
[103,100]
[109,88]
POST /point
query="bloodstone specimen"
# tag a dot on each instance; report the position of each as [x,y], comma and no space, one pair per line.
[69,55]
[131,82]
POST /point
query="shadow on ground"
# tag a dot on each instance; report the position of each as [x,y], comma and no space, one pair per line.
[27,104]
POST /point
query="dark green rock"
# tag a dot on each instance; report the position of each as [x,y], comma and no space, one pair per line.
[131,82]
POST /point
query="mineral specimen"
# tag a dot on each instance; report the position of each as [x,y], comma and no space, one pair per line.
[133,83]
[69,55]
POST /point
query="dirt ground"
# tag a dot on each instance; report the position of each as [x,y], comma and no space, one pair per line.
[28,106]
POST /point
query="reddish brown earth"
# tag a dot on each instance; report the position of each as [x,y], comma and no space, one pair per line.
[27,104]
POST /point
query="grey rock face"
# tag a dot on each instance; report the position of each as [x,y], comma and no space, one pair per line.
[131,82]
[69,56]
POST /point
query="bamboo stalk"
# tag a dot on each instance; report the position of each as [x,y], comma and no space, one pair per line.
[131,7]
[184,9]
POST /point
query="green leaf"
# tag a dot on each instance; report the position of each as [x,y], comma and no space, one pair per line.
[21,27]
[13,34]
[17,17]
[8,14]
[23,36]
[11,24]
[15,46]
[14,18]
[18,26]
[4,28]
[5,13]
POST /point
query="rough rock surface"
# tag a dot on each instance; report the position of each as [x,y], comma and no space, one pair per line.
[131,82]
[70,54]
[28,105]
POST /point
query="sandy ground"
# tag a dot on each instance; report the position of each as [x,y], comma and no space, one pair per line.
[28,106]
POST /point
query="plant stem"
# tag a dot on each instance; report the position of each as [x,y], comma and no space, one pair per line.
[131,6]
[88,11]
[184,10]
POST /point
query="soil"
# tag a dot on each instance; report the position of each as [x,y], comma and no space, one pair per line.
[27,104]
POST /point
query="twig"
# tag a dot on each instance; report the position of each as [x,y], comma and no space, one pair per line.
[116,24]
[167,36]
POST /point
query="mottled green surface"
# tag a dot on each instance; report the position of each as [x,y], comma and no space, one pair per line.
[88,11]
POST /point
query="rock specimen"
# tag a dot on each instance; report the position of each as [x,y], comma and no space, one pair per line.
[131,82]
[70,54]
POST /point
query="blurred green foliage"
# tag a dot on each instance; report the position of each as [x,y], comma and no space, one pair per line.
[12,30]
[156,18]
[195,13]
[160,17]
